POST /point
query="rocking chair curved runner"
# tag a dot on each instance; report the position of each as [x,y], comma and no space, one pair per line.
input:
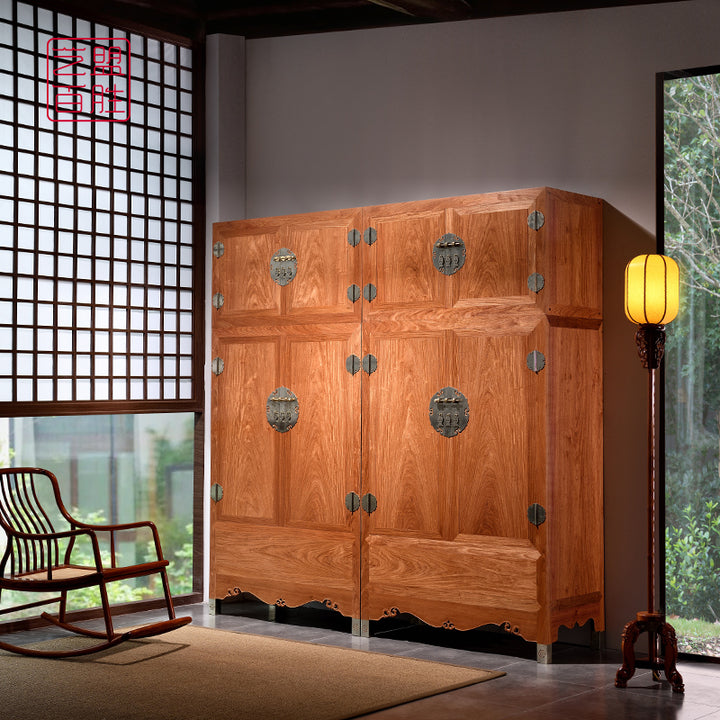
[42,540]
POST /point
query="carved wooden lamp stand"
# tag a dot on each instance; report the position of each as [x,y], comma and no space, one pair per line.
[651,299]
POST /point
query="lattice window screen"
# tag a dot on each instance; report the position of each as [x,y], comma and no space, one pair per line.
[97,289]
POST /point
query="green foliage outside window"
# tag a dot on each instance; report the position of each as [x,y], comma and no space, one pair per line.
[161,493]
[692,359]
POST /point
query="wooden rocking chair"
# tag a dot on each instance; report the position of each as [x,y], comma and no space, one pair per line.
[41,539]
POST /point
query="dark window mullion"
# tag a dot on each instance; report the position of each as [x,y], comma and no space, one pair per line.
[15,230]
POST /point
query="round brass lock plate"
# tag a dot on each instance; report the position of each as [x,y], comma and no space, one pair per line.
[448,254]
[449,412]
[283,266]
[282,409]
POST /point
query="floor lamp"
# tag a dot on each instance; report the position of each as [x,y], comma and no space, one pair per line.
[651,300]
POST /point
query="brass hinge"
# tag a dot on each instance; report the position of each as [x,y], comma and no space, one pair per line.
[352,364]
[352,502]
[536,282]
[369,503]
[536,514]
[535,361]
[536,220]
[369,363]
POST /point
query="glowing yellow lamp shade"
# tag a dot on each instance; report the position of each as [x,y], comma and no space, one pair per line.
[652,289]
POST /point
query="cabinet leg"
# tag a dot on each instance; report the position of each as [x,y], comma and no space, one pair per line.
[360,628]
[544,654]
[272,613]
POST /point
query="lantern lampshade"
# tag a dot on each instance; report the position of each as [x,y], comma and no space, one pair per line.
[652,289]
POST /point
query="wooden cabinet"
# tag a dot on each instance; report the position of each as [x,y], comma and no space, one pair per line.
[482,313]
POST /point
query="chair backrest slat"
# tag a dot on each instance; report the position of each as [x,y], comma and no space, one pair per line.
[24,493]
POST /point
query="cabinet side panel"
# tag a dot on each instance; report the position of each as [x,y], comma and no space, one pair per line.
[575,420]
[570,254]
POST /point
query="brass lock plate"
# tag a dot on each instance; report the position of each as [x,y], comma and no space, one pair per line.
[283,409]
[449,254]
[449,412]
[283,266]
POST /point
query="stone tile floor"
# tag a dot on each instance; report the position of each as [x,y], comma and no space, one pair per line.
[578,685]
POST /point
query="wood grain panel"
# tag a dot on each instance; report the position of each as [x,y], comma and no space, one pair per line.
[577,499]
[324,447]
[400,262]
[288,564]
[242,274]
[470,573]
[405,463]
[244,446]
[327,266]
[570,254]
[499,254]
[493,465]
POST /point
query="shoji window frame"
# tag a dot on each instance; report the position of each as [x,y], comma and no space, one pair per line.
[130,22]
[70,330]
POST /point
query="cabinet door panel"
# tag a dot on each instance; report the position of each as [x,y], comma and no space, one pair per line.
[242,273]
[404,454]
[244,446]
[496,458]
[499,252]
[400,263]
[324,447]
[282,530]
[327,264]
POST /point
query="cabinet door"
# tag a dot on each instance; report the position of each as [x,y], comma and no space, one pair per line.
[500,249]
[282,530]
[450,540]
[294,268]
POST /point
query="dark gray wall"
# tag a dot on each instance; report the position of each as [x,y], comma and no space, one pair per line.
[567,100]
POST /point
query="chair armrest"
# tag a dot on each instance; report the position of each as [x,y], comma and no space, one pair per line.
[51,536]
[112,529]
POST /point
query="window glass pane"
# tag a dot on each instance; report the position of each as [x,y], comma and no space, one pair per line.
[692,361]
[116,469]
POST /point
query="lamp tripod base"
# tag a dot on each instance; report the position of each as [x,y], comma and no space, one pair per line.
[656,627]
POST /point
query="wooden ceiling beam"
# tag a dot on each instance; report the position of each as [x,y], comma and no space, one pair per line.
[429,9]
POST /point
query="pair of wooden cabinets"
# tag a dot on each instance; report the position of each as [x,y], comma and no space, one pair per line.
[407,411]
